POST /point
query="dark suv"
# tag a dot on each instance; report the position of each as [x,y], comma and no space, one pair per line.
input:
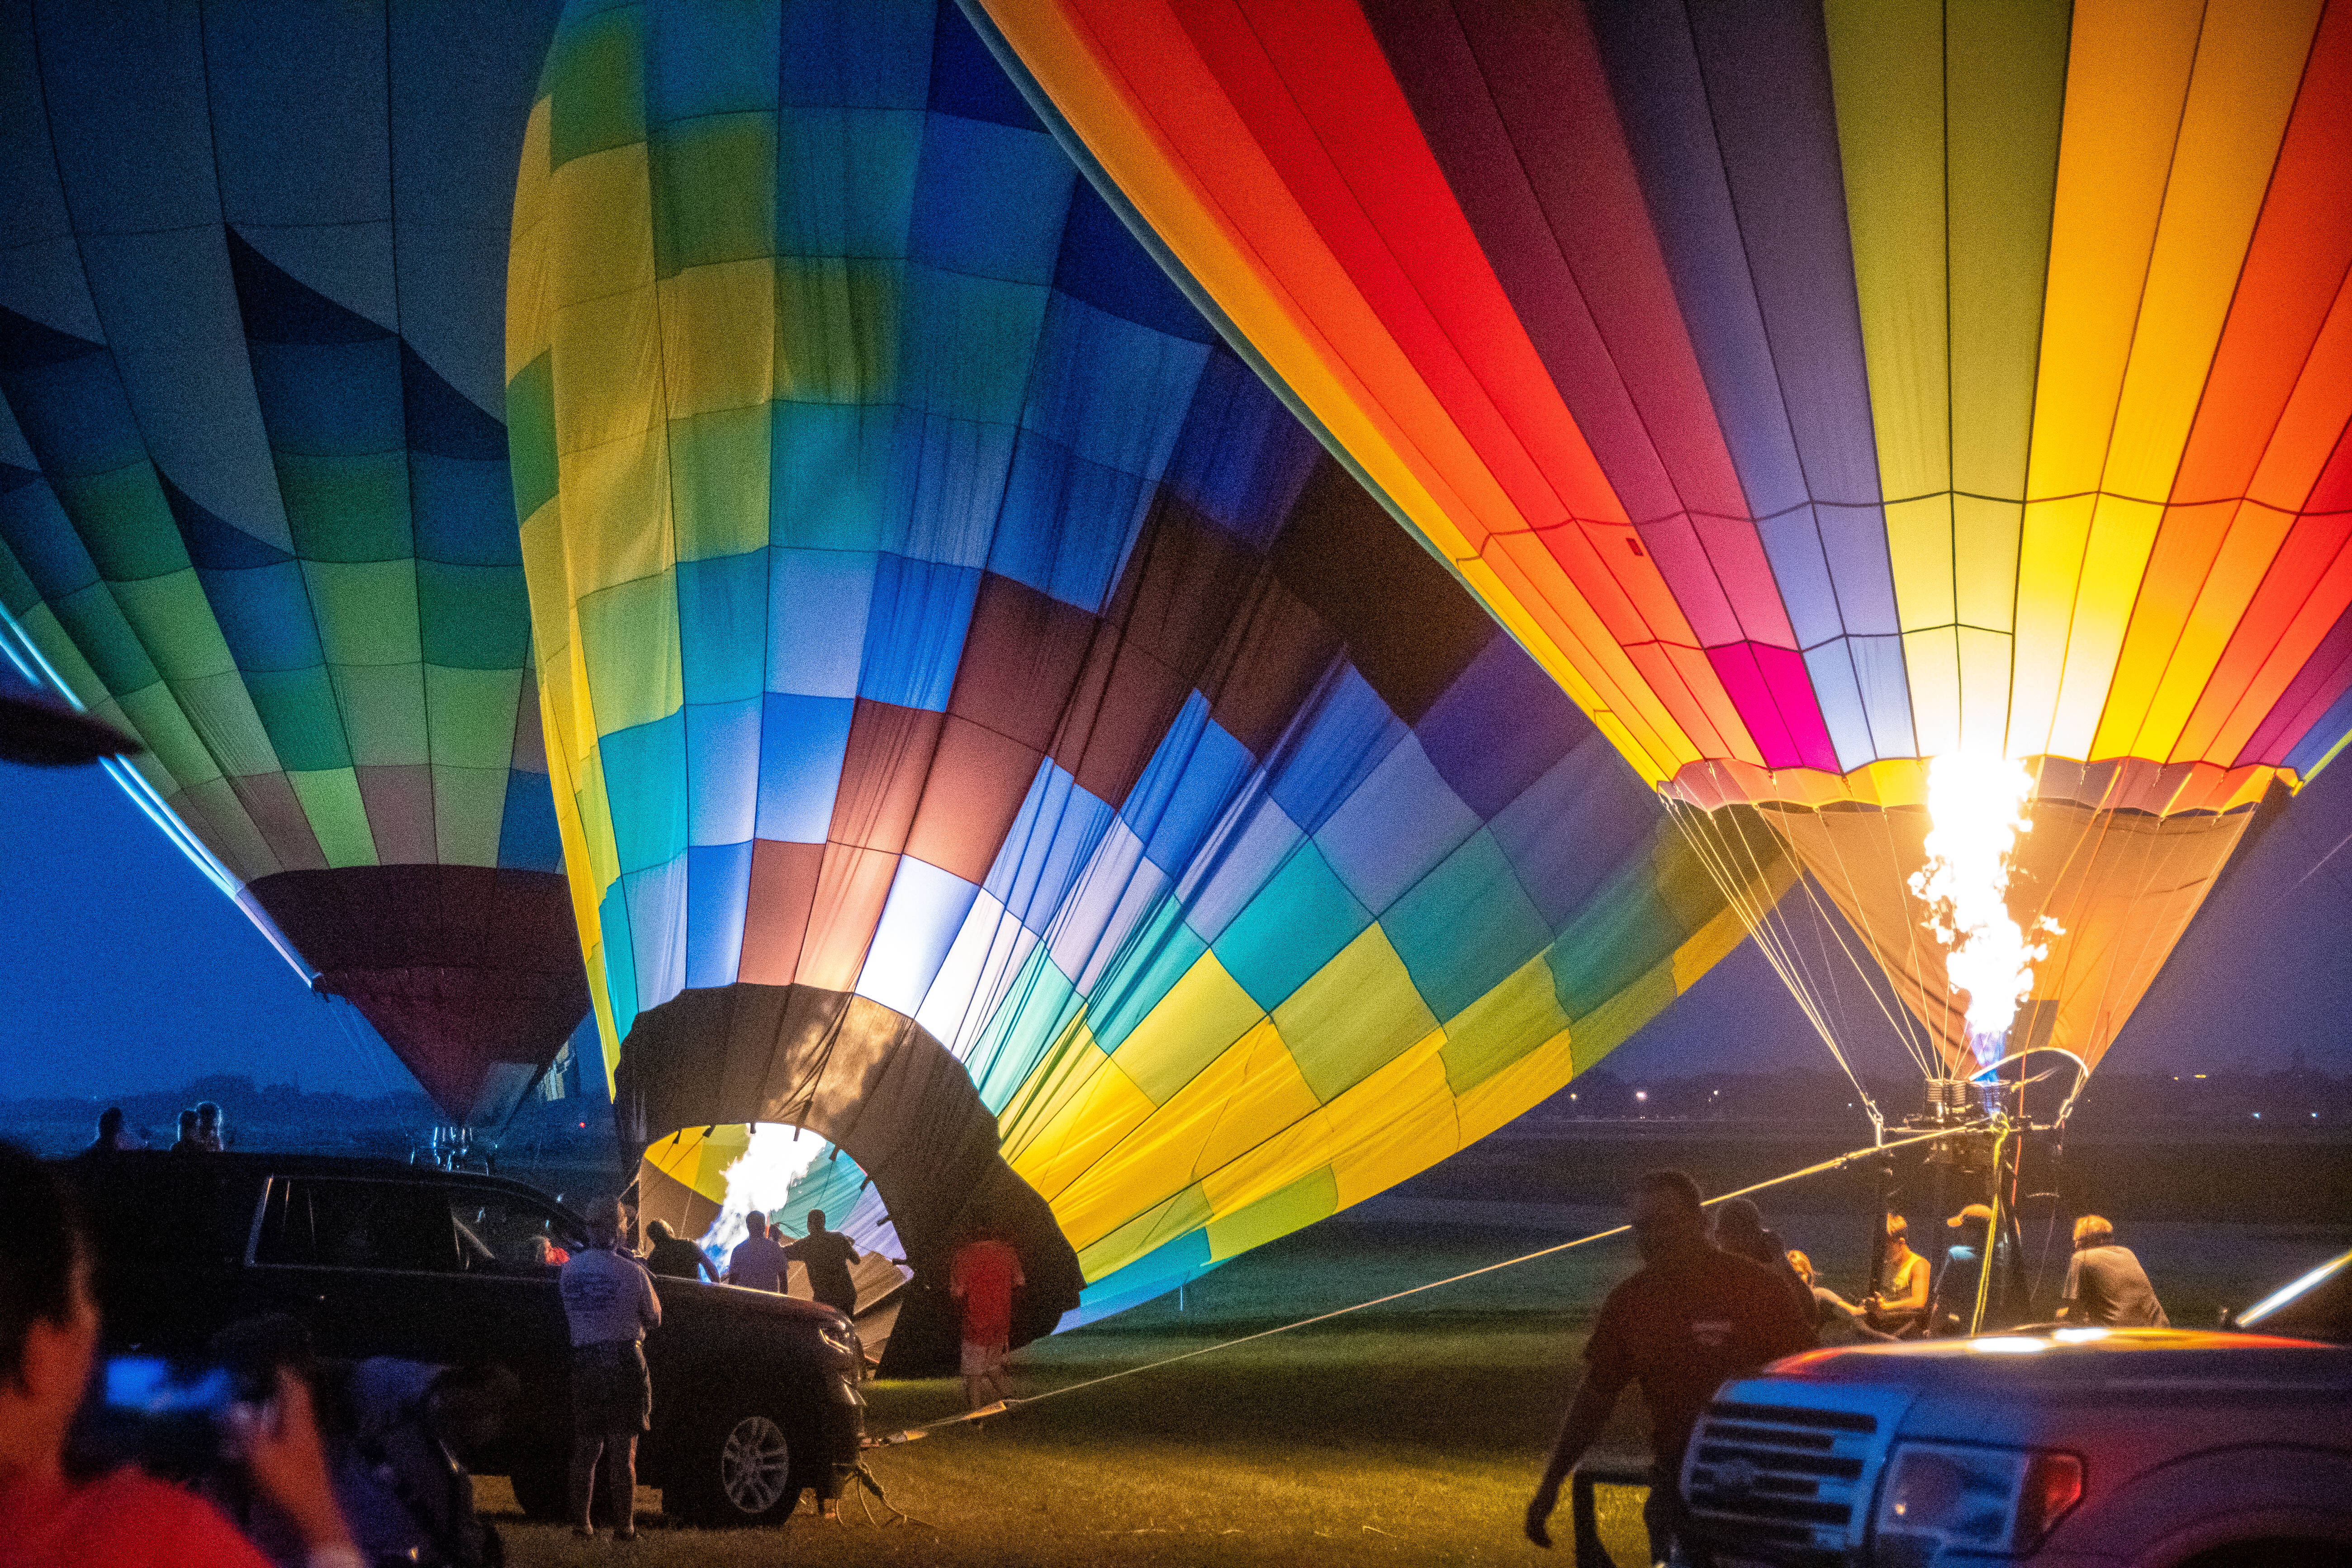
[755,1394]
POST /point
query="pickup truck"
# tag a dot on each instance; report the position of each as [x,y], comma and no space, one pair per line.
[755,1395]
[2060,1447]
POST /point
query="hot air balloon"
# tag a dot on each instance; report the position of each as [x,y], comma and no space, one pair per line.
[1882,418]
[989,731]
[254,500]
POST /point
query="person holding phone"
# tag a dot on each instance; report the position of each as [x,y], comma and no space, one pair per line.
[48,1343]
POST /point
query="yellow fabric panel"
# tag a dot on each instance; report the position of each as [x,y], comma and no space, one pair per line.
[1309,1199]
[1397,1121]
[1505,1096]
[629,636]
[331,799]
[2123,530]
[1065,1069]
[2249,62]
[1932,660]
[627,478]
[1985,678]
[1514,1017]
[2048,571]
[1265,1095]
[1351,1015]
[1162,1222]
[1203,1014]
[719,468]
[718,337]
[1920,554]
[1278,1163]
[1985,534]
[600,239]
[608,365]
[527,306]
[1102,1113]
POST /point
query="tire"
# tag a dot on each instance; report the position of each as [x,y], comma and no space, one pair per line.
[735,1471]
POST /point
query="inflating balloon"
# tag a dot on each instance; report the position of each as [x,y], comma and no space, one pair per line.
[1818,392]
[254,500]
[988,730]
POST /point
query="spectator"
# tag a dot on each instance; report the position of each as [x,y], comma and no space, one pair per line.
[1899,1308]
[547,1255]
[982,1278]
[210,1130]
[48,1340]
[1831,1310]
[827,1255]
[674,1257]
[111,1134]
[1690,1317]
[1739,1230]
[609,1305]
[758,1261]
[2104,1283]
[191,1141]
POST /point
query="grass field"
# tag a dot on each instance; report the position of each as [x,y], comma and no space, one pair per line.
[1408,1433]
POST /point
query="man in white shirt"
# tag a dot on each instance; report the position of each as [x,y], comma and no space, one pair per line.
[758,1261]
[609,1305]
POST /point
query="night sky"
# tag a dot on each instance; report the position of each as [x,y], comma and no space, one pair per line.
[123,968]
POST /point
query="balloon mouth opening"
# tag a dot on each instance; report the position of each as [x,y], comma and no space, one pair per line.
[1977,808]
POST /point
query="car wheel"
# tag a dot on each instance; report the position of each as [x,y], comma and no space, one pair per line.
[738,1471]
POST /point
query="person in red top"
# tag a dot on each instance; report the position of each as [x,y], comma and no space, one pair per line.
[983,1277]
[1693,1316]
[126,1519]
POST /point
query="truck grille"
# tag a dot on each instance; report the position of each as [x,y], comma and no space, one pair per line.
[1780,1482]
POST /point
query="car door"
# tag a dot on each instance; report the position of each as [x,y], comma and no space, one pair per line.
[509,1295]
[370,1263]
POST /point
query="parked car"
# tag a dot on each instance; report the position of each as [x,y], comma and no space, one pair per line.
[755,1395]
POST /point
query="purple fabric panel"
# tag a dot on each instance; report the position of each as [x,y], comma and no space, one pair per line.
[2306,697]
[1879,667]
[1801,563]
[1735,666]
[1503,693]
[1829,669]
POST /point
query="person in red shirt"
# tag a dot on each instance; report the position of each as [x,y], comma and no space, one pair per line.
[1691,1317]
[982,1278]
[126,1519]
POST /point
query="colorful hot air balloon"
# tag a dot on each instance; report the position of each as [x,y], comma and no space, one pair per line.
[254,499]
[987,730]
[1823,393]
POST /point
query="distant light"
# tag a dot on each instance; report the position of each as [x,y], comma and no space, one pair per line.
[1644,1094]
[2257,1116]
[2009,1344]
[583,1126]
[1571,1097]
[2200,1075]
[2080,1336]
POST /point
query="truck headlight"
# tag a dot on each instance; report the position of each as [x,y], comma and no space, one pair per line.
[1941,1495]
[842,1340]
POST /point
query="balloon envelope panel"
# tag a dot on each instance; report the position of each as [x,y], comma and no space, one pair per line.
[254,498]
[930,608]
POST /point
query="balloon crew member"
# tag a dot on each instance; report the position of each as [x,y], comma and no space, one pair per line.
[827,1255]
[50,1517]
[758,1261]
[982,1278]
[610,1306]
[1955,1307]
[1739,1229]
[674,1257]
[1901,1308]
[1692,1316]
[2104,1283]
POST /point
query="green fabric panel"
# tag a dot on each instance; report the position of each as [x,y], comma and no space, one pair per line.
[1311,1197]
[1622,930]
[531,436]
[595,74]
[122,520]
[1188,1210]
[1039,1008]
[1460,928]
[714,191]
[91,618]
[642,767]
[837,329]
[831,477]
[331,801]
[719,482]
[468,807]
[17,594]
[154,711]
[1596,1034]
[473,617]
[174,624]
[820,213]
[2006,78]
[973,344]
[297,708]
[1159,952]
[366,611]
[1358,1014]
[471,716]
[347,508]
[628,639]
[1298,922]
[1501,1027]
[40,624]
[220,710]
[384,713]
[1686,887]
[211,806]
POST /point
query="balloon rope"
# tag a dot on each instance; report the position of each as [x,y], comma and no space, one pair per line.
[1002,1407]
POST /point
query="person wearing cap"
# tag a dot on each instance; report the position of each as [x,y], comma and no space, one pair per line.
[1954,1309]
[2104,1283]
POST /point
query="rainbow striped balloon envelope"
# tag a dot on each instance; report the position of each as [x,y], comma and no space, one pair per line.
[988,731]
[254,499]
[1818,390]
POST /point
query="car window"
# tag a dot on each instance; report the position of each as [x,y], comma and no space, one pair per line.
[505,1233]
[203,1214]
[343,1223]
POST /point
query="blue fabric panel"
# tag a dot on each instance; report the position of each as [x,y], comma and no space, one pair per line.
[1154,1274]
[722,626]
[281,309]
[719,885]
[1879,668]
[67,399]
[1037,1007]
[1050,842]
[947,479]
[463,510]
[1500,724]
[1400,822]
[829,470]
[265,616]
[620,960]
[1568,831]
[1298,923]
[43,540]
[926,908]
[332,399]
[1349,731]
[1250,843]
[441,420]
[722,770]
[967,80]
[1831,670]
[703,60]
[965,345]
[128,117]
[803,741]
[1195,774]
[642,767]
[914,631]
[214,544]
[872,54]
[1067,524]
[1793,544]
[1156,956]
[846,182]
[299,124]
[817,602]
[657,930]
[1243,458]
[1101,264]
[974,173]
[1112,392]
[2308,752]
[527,838]
[1465,927]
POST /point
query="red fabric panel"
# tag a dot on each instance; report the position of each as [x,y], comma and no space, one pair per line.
[852,886]
[399,802]
[270,799]
[978,781]
[882,775]
[776,910]
[1021,659]
[1278,650]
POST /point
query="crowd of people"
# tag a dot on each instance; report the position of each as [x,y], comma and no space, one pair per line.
[202,1131]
